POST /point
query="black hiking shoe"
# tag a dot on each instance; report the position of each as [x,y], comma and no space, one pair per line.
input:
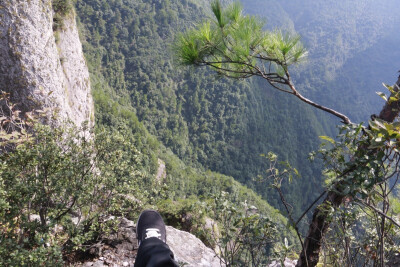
[150,224]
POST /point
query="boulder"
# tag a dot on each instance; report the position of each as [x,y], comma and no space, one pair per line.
[120,248]
[189,250]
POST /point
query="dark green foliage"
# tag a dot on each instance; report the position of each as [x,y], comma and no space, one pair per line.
[362,167]
[224,48]
[171,107]
[220,124]
[12,254]
[235,45]
[185,181]
[61,9]
[61,174]
[241,236]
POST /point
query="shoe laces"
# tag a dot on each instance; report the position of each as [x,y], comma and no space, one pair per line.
[152,232]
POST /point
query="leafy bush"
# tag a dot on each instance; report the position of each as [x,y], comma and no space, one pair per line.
[61,9]
[184,214]
[58,188]
[240,235]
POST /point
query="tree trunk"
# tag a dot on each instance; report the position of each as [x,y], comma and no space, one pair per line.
[320,223]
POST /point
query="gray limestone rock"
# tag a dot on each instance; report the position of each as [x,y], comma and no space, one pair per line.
[119,248]
[39,71]
[190,250]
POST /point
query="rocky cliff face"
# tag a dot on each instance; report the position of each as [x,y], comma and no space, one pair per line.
[43,68]
[40,67]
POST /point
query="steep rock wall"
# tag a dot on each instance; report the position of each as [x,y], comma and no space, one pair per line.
[36,69]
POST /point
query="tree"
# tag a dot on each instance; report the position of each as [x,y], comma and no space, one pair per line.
[236,46]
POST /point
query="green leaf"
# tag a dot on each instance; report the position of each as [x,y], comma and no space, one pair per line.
[217,10]
[327,138]
[390,88]
[393,99]
[382,95]
[377,124]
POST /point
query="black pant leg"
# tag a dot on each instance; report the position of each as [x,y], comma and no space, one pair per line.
[154,253]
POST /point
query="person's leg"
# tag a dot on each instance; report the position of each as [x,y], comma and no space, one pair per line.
[154,253]
[151,235]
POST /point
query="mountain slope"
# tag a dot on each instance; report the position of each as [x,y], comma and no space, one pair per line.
[351,48]
[219,124]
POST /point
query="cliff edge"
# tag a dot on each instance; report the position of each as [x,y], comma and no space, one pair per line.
[120,248]
[42,66]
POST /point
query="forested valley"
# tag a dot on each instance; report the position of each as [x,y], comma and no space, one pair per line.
[208,122]
[222,139]
[224,125]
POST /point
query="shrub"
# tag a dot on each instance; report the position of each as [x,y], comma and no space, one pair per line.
[58,187]
[240,235]
[61,9]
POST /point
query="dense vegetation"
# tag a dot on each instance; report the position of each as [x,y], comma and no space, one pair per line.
[185,177]
[197,122]
[361,166]
[207,122]
[61,187]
